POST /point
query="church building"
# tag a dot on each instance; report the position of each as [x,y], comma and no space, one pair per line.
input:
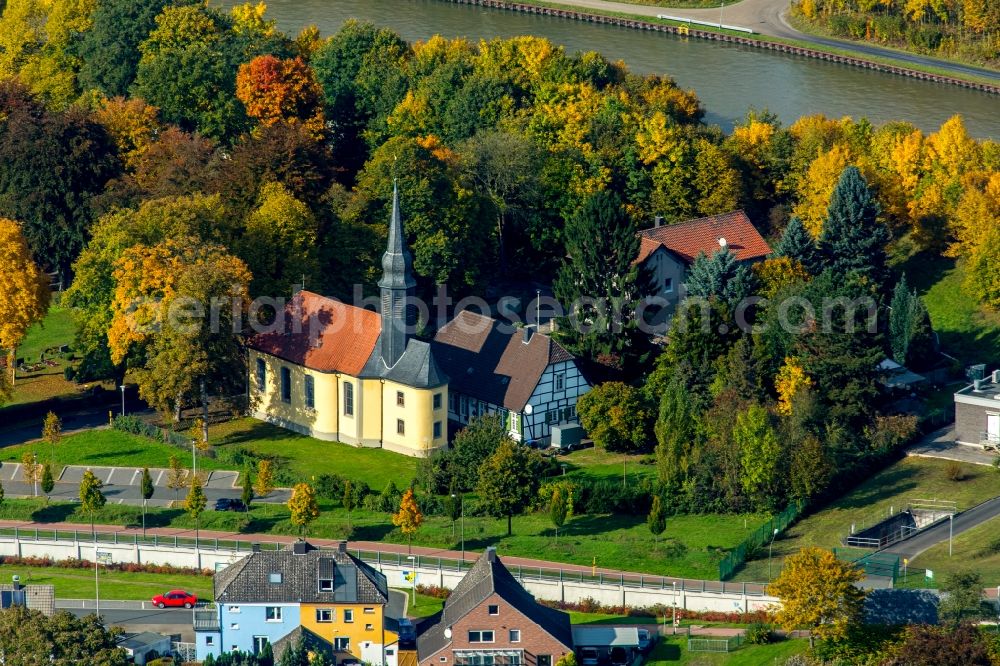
[343,373]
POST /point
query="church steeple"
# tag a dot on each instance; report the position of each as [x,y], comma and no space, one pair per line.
[397,284]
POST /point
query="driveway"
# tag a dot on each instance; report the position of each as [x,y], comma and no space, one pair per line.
[921,541]
[941,444]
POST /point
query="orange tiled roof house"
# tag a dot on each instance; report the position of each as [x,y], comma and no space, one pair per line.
[343,373]
[669,250]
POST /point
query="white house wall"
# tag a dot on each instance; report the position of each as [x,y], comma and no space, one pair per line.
[546,398]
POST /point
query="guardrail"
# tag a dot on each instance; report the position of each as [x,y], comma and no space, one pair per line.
[425,563]
[681,19]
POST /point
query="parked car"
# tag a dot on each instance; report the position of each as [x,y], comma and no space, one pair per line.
[589,656]
[175,599]
[227,504]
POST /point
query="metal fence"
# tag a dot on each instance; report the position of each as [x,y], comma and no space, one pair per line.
[588,575]
[735,558]
[714,644]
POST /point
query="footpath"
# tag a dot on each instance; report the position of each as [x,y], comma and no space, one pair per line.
[768,17]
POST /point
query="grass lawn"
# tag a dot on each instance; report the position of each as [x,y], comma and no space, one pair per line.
[975,550]
[105,448]
[967,332]
[79,583]
[303,457]
[908,479]
[593,462]
[425,606]
[55,330]
[673,650]
[690,547]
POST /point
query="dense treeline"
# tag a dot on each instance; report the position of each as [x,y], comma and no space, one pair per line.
[965,29]
[159,151]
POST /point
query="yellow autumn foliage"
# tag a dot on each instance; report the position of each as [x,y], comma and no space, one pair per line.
[790,380]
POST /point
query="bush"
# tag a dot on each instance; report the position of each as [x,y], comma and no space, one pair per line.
[759,633]
[954,471]
[330,486]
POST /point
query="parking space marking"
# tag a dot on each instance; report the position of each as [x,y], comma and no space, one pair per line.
[13,474]
[135,474]
[159,477]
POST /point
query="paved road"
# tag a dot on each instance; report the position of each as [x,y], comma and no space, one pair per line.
[941,444]
[921,541]
[768,17]
[31,430]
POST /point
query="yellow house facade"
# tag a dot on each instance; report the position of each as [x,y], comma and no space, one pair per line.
[356,629]
[343,373]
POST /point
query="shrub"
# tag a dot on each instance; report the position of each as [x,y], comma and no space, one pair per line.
[330,486]
[954,471]
[759,633]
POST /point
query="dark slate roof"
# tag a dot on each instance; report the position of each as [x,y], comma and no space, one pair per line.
[490,361]
[417,366]
[313,642]
[248,581]
[487,576]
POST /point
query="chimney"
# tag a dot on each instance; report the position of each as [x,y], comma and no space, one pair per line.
[491,554]
[299,548]
[342,547]
[977,384]
[657,221]
[16,581]
[255,547]
[526,334]
[996,376]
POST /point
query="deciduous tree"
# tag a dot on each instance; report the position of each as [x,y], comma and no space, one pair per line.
[409,518]
[176,475]
[302,506]
[558,509]
[615,417]
[52,428]
[963,598]
[92,499]
[146,489]
[285,90]
[760,455]
[195,502]
[508,480]
[28,636]
[24,295]
[818,591]
[789,382]
[264,483]
[47,482]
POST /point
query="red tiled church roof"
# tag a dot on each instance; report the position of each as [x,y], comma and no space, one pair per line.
[329,336]
[688,239]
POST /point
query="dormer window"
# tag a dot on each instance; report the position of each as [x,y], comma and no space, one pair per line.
[326,585]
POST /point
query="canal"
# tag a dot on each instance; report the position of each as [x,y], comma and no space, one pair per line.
[728,79]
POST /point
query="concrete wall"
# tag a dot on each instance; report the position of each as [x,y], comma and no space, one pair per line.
[552,590]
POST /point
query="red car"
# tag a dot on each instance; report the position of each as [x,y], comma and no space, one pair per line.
[175,599]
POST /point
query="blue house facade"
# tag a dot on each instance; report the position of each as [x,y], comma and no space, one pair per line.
[244,627]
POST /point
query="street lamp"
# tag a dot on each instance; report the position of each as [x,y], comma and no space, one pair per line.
[770,545]
[463,530]
[122,387]
[34,472]
[675,607]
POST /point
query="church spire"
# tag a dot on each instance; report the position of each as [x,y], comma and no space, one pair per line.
[397,283]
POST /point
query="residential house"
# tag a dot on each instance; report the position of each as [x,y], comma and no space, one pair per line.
[271,597]
[343,373]
[41,598]
[669,250]
[524,376]
[977,412]
[490,620]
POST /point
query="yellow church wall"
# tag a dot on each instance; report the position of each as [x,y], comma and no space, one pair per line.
[320,421]
[372,426]
[365,627]
[350,424]
[417,415]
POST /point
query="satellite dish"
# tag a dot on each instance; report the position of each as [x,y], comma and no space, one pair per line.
[527,409]
[447,632]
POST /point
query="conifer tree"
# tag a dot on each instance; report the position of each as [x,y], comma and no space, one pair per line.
[657,518]
[900,317]
[853,238]
[721,276]
[601,248]
[797,243]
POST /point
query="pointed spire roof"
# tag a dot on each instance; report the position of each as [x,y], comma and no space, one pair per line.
[397,262]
